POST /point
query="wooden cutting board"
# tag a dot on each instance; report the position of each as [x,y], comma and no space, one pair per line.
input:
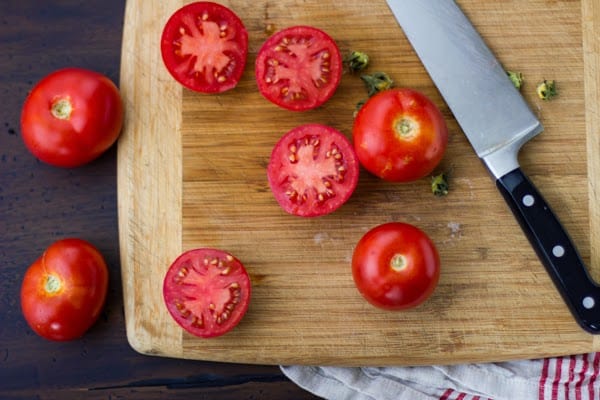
[191,173]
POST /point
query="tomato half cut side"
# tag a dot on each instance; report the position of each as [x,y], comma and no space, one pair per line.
[207,291]
[298,68]
[204,46]
[313,170]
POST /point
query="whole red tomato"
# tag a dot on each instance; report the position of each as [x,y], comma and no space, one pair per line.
[64,290]
[395,266]
[71,117]
[400,135]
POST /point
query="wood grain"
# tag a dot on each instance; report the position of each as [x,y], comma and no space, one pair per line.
[191,173]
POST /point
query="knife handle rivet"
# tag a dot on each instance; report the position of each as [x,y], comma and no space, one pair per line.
[528,200]
[558,251]
[588,302]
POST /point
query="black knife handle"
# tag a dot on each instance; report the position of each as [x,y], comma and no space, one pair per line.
[554,247]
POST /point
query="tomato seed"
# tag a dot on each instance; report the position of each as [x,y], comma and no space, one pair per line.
[226,271]
[198,322]
[184,311]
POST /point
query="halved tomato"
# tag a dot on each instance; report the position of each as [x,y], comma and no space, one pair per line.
[313,170]
[204,45]
[207,291]
[298,68]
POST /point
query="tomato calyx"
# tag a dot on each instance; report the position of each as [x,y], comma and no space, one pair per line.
[61,108]
[398,262]
[53,285]
[406,128]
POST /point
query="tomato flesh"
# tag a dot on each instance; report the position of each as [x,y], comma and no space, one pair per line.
[71,117]
[204,46]
[313,170]
[207,291]
[63,291]
[395,266]
[400,135]
[298,68]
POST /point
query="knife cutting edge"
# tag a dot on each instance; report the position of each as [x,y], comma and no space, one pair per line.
[497,121]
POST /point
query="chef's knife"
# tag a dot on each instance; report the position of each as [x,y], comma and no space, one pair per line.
[497,122]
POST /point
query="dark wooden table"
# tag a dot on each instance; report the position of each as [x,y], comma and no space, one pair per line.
[40,204]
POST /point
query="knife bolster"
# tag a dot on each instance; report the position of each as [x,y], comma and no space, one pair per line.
[503,160]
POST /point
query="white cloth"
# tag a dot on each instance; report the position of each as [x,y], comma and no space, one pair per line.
[562,378]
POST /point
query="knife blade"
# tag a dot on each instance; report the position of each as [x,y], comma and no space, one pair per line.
[497,122]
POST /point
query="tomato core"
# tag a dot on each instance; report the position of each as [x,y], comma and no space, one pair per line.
[398,262]
[209,44]
[61,108]
[53,284]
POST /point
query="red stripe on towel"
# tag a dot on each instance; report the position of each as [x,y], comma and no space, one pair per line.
[446,395]
[571,372]
[557,374]
[596,365]
[543,379]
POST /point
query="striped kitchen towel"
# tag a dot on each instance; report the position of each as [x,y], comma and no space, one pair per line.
[561,378]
